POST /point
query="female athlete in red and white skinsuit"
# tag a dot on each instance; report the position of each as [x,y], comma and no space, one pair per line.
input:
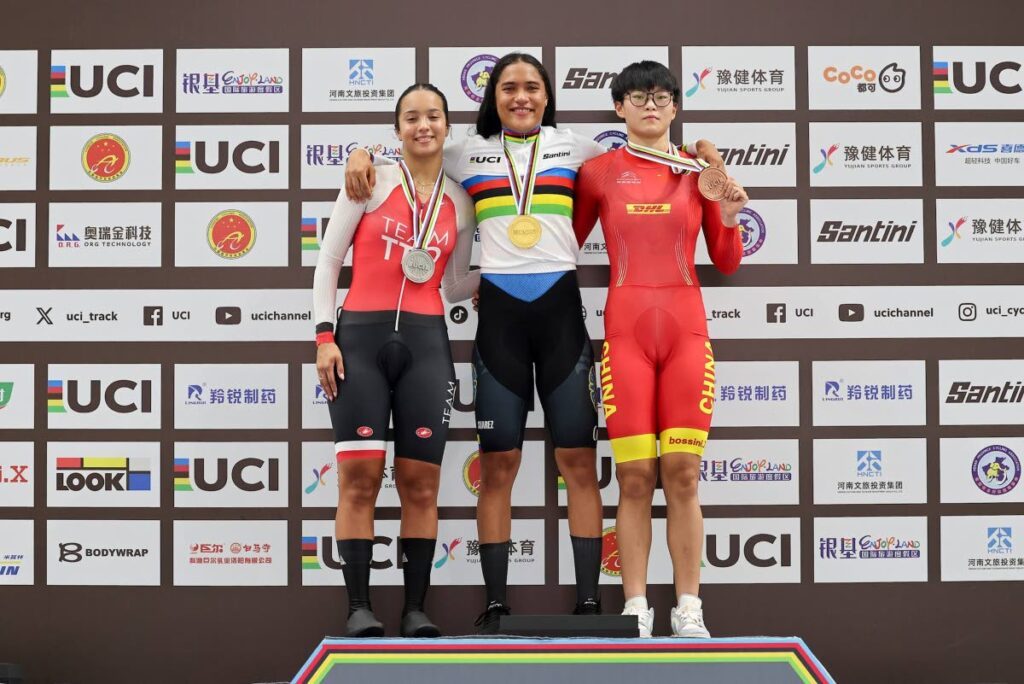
[658,371]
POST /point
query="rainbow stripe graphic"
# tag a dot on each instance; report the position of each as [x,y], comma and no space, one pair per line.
[552,194]
[182,475]
[310,561]
[625,653]
[940,78]
[183,157]
[307,231]
[58,81]
[139,480]
[55,396]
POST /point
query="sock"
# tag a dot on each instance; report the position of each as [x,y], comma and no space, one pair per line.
[356,555]
[419,558]
[637,602]
[494,561]
[688,600]
[586,555]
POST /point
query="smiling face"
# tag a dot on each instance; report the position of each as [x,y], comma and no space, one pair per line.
[422,125]
[648,121]
[520,97]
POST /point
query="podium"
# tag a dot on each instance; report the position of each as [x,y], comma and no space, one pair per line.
[504,660]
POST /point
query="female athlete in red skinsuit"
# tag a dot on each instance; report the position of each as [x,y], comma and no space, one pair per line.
[657,367]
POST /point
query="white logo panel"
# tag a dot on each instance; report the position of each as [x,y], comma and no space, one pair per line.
[232,80]
[979,231]
[865,154]
[105,158]
[982,548]
[869,392]
[979,153]
[17,236]
[17,476]
[230,475]
[745,78]
[326,148]
[752,393]
[17,557]
[756,154]
[18,81]
[457,558]
[18,157]
[989,392]
[462,73]
[103,552]
[312,228]
[231,157]
[859,77]
[97,397]
[583,75]
[106,81]
[17,396]
[981,470]
[112,235]
[230,553]
[870,471]
[231,234]
[977,77]
[746,472]
[355,80]
[884,231]
[103,474]
[871,549]
[231,396]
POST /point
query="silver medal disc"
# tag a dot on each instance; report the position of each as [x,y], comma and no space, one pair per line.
[418,266]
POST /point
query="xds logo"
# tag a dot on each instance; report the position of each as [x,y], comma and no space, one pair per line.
[580,78]
[250,156]
[948,77]
[15,242]
[112,396]
[121,81]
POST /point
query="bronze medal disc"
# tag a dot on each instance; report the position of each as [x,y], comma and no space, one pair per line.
[712,183]
[418,266]
[524,231]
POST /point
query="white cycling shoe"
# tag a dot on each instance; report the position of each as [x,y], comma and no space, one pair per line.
[688,619]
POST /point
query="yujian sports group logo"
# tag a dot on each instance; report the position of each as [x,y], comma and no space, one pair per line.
[826,158]
[698,82]
[996,470]
[106,157]
[954,231]
[318,478]
[447,552]
[475,75]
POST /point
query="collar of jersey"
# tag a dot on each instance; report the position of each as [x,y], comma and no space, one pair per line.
[517,137]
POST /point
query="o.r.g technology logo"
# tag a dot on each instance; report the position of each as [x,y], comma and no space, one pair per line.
[475,75]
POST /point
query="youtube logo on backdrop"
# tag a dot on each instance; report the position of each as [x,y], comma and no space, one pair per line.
[851,313]
[228,315]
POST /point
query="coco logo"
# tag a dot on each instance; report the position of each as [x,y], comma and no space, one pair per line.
[249,156]
[125,80]
[779,551]
[16,241]
[247,475]
[116,396]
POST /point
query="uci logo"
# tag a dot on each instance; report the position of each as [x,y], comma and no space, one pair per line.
[267,475]
[245,156]
[113,396]
[996,76]
[15,242]
[121,81]
[328,554]
[781,556]
[484,160]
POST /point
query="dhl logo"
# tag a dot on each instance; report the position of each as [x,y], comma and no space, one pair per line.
[652,209]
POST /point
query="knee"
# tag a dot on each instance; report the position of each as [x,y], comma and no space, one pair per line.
[359,490]
[636,484]
[579,472]
[420,493]
[681,483]
[498,471]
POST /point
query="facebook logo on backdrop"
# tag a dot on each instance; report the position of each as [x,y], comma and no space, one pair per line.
[152,315]
[776,313]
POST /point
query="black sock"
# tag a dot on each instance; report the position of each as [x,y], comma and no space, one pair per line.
[586,555]
[356,555]
[419,558]
[494,561]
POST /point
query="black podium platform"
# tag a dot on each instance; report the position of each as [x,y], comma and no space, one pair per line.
[760,660]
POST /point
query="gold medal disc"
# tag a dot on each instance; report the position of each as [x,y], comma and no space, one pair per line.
[524,231]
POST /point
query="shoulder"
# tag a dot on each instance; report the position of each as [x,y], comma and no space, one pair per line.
[458,196]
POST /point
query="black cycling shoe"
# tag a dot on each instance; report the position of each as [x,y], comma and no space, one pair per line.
[488,620]
[416,624]
[363,623]
[588,607]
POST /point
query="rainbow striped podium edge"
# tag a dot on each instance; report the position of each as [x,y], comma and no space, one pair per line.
[764,660]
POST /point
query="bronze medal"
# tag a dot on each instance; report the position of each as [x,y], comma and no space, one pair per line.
[713,183]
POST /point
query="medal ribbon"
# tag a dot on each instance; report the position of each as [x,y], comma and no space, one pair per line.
[522,187]
[671,159]
[423,219]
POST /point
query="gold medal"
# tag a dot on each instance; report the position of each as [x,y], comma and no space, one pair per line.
[524,231]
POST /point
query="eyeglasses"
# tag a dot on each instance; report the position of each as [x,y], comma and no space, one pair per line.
[661,98]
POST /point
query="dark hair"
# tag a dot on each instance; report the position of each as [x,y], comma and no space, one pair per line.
[422,86]
[645,76]
[488,122]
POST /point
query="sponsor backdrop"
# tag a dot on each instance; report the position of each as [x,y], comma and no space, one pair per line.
[166,470]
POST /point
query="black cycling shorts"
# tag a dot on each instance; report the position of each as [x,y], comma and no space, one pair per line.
[408,373]
[513,339]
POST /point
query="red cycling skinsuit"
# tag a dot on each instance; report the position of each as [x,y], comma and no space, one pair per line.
[657,366]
